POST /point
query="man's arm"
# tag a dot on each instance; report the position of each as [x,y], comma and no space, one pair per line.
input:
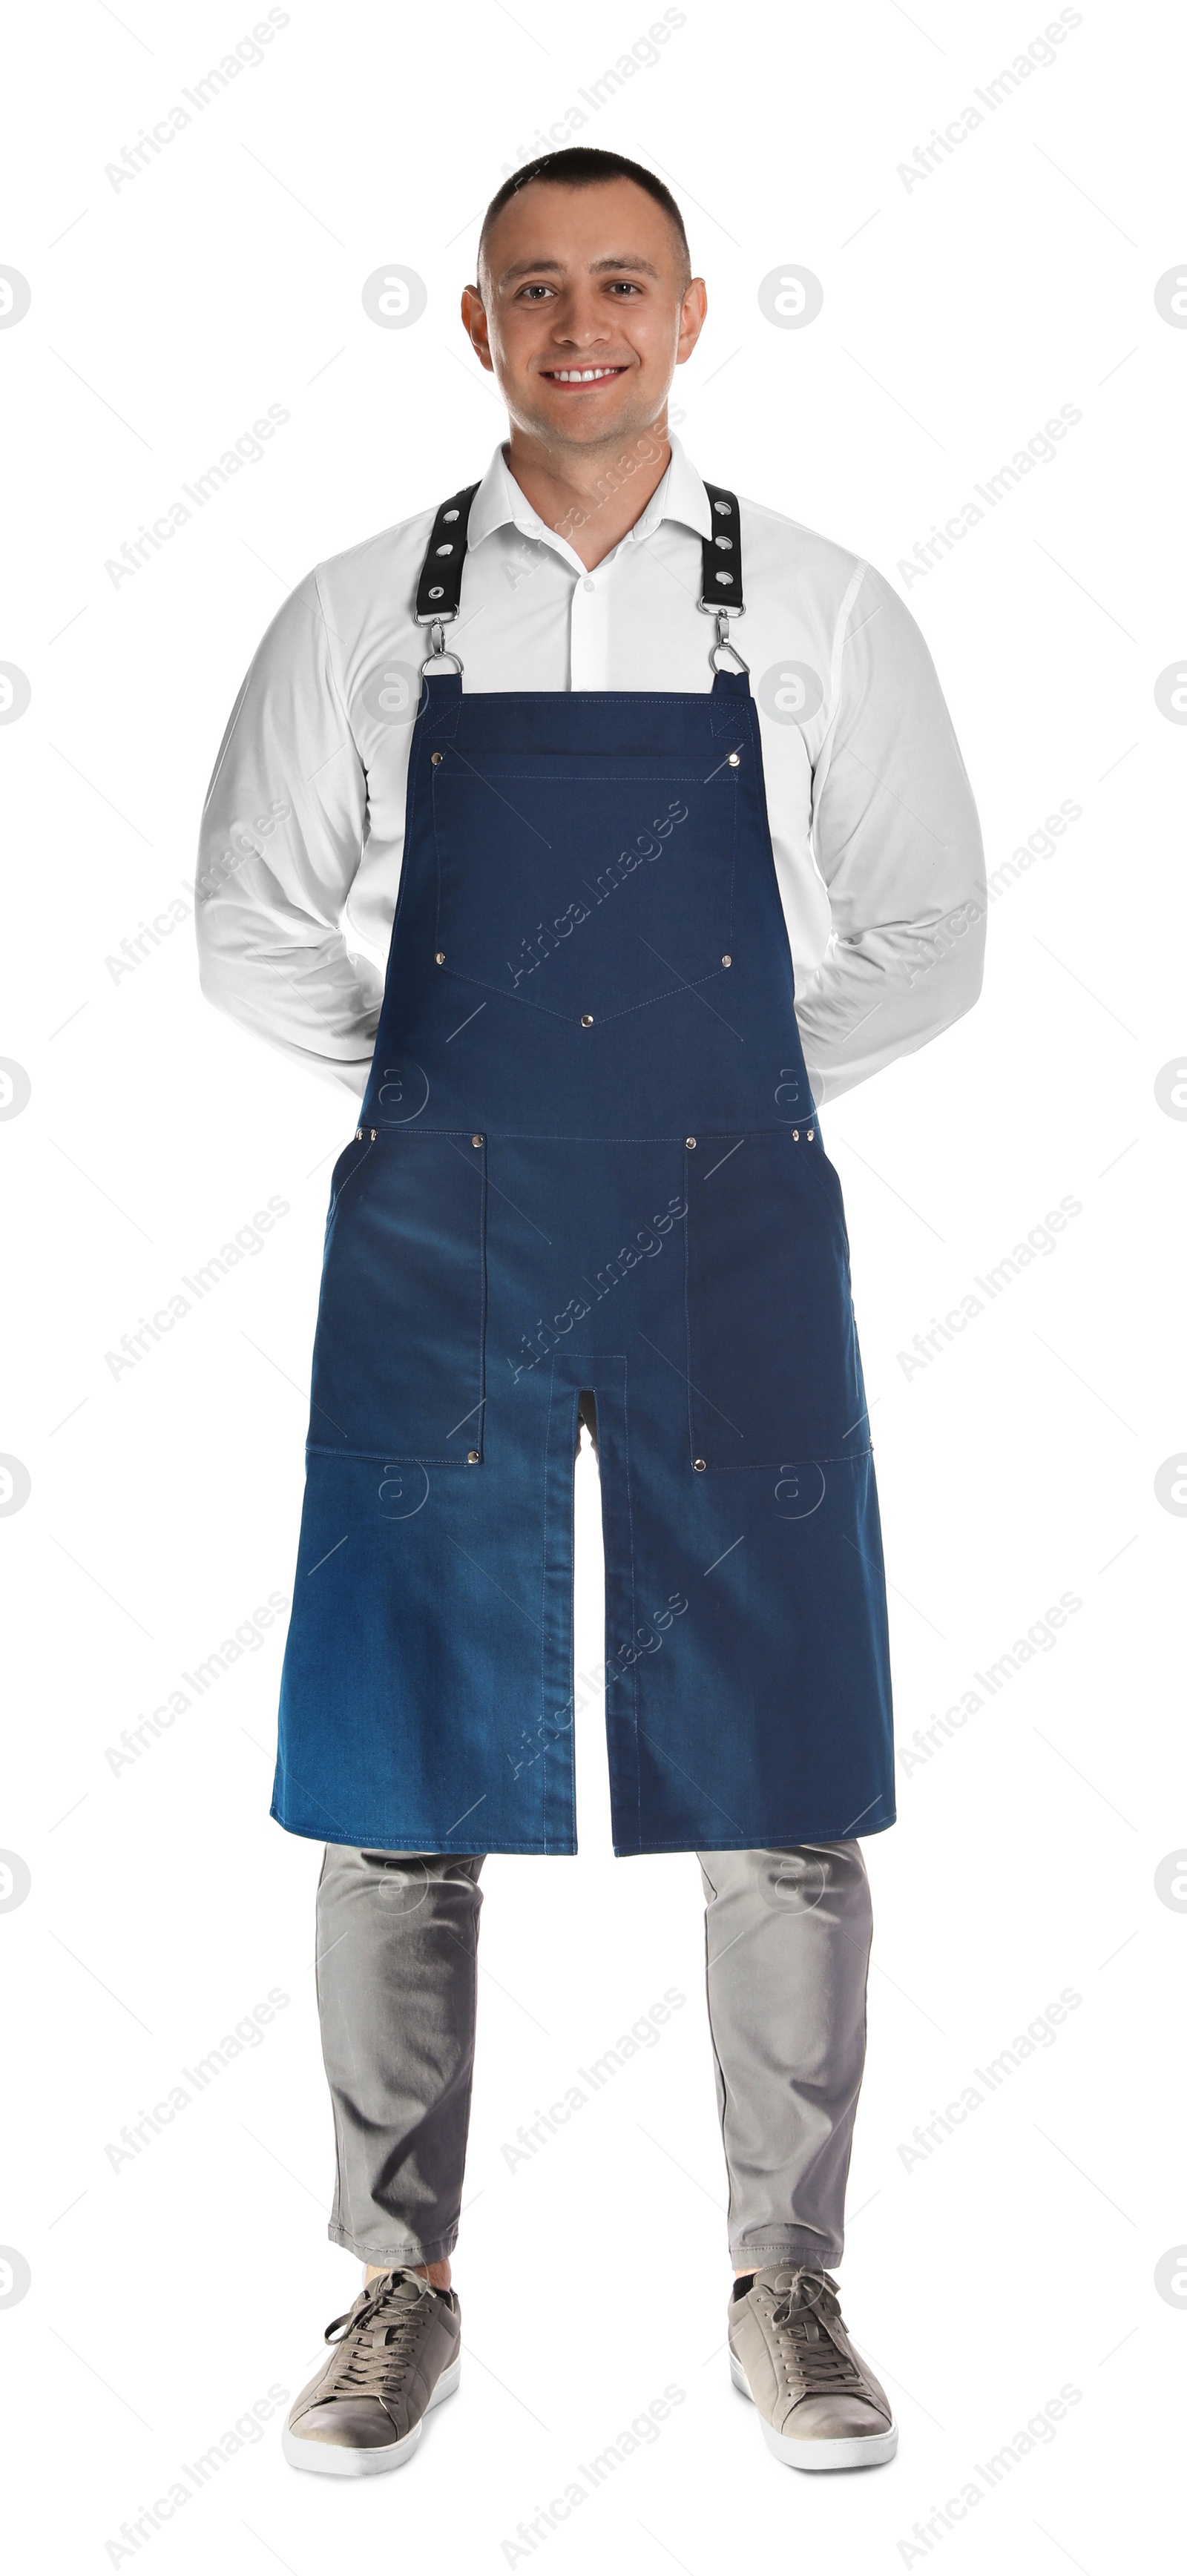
[898,846]
[282,835]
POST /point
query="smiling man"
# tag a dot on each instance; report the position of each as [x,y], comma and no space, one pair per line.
[650,799]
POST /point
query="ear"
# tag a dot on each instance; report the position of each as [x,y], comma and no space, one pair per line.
[475,326]
[693,309]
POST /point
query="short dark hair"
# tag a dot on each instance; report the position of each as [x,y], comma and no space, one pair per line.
[581,166]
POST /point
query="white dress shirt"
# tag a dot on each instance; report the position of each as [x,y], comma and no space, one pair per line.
[876,841]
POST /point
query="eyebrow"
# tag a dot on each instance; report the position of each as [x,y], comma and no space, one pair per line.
[556,268]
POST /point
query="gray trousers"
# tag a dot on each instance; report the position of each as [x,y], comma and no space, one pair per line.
[787,1943]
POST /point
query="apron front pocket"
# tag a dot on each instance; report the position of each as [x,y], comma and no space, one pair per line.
[773,1364]
[584,888]
[398,1357]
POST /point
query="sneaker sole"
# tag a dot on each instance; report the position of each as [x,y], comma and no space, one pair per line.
[853,2451]
[342,2460]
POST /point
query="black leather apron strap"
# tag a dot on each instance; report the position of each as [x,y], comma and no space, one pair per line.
[721,555]
[439,589]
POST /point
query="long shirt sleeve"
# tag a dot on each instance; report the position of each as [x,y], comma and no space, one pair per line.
[898,846]
[283,831]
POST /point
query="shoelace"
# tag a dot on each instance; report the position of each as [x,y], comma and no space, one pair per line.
[801,2320]
[378,2337]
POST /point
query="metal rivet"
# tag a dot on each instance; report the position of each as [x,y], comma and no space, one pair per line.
[735,760]
[811,1133]
[447,515]
[440,957]
[690,1144]
[374,1133]
[472,1458]
[795,1135]
[587,1019]
[699,1464]
[475,1140]
[727,961]
[358,1135]
[437,757]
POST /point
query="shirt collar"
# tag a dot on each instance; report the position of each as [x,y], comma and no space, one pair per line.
[499,502]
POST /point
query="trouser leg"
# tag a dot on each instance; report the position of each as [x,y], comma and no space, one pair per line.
[787,1945]
[397,1940]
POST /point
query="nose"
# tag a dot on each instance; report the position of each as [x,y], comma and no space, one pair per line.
[580,324]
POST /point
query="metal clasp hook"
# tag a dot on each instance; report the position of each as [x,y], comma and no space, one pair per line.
[722,643]
[438,650]
[721,618]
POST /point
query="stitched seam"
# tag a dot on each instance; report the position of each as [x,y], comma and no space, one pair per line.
[602,697]
[406,1457]
[480,1441]
[733,871]
[550,1136]
[750,1466]
[596,778]
[414,1134]
[789,1834]
[571,1677]
[688,984]
[688,1349]
[548,1438]
[378,1836]
[630,1514]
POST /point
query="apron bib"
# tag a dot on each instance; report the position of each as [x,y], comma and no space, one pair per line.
[588,1162]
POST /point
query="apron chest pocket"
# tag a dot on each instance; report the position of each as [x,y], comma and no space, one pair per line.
[590,890]
[398,1357]
[773,1364]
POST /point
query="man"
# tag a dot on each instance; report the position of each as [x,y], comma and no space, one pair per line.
[588,1185]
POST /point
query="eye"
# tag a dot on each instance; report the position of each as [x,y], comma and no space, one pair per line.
[533,293]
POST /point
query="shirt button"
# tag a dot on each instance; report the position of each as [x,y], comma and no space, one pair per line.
[587,585]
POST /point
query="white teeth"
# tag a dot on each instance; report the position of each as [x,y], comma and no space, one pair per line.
[581,375]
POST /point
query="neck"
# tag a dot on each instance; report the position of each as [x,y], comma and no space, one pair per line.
[592,498]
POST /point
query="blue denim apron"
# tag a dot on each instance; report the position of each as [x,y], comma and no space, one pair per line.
[588,1163]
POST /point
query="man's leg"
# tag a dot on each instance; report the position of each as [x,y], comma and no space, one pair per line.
[787,1946]
[397,1938]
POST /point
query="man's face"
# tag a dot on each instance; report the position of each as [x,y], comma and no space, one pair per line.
[583,311]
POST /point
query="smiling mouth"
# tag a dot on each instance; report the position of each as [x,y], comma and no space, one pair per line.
[580,375]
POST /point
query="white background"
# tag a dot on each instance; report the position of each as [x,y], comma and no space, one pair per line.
[959,314]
